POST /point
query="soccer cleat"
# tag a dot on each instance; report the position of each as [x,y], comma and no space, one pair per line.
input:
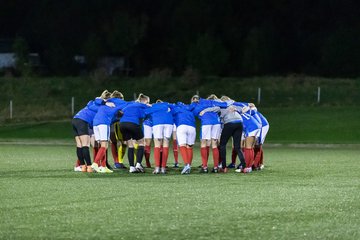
[77,169]
[156,170]
[262,166]
[83,168]
[200,166]
[223,170]
[119,166]
[231,165]
[176,165]
[204,170]
[139,167]
[89,169]
[215,170]
[247,170]
[107,170]
[132,170]
[186,169]
[95,167]
[163,170]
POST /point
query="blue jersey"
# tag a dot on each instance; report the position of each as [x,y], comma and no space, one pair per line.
[88,113]
[250,123]
[183,115]
[160,113]
[105,114]
[134,112]
[148,122]
[208,118]
[264,121]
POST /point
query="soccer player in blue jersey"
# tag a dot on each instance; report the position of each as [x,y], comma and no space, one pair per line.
[81,123]
[258,151]
[162,121]
[131,130]
[185,131]
[210,129]
[102,121]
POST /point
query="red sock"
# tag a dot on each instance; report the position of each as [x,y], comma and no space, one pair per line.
[161,151]
[95,152]
[147,152]
[184,155]
[215,152]
[249,155]
[165,155]
[175,150]
[189,154]
[77,163]
[114,152]
[257,156]
[157,156]
[233,156]
[204,156]
[207,152]
[100,155]
[261,156]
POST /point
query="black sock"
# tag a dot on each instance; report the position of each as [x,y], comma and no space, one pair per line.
[140,154]
[86,154]
[80,155]
[131,156]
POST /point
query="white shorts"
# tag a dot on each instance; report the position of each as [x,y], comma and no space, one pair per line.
[185,135]
[162,131]
[263,133]
[255,133]
[147,131]
[174,127]
[209,132]
[102,132]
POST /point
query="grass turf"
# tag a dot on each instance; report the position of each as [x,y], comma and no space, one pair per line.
[302,194]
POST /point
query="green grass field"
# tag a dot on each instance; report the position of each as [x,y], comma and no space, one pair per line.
[303,193]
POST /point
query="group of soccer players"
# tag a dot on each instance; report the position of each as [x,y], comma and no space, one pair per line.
[134,125]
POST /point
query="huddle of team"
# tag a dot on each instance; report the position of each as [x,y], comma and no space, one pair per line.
[134,124]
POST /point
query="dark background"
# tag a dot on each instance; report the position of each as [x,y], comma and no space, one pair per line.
[217,37]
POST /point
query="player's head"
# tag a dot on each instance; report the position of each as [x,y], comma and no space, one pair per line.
[195,98]
[105,94]
[117,94]
[159,101]
[212,97]
[143,99]
[225,98]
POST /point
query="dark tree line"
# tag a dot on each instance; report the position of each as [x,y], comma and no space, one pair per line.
[217,37]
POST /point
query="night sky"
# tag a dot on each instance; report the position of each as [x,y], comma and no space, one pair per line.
[217,37]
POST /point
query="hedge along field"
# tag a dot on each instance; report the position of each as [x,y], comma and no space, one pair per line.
[50,98]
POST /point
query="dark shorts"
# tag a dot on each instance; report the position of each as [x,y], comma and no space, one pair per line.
[80,127]
[131,131]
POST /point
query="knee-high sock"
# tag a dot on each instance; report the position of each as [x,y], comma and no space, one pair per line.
[184,155]
[100,155]
[139,154]
[233,156]
[131,156]
[175,151]
[190,155]
[215,152]
[114,152]
[121,153]
[257,156]
[204,156]
[147,155]
[261,156]
[80,155]
[95,152]
[86,154]
[157,156]
[165,155]
[207,152]
[249,156]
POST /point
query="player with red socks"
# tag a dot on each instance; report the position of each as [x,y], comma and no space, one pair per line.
[175,147]
[163,122]
[210,129]
[185,131]
[102,121]
[258,150]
